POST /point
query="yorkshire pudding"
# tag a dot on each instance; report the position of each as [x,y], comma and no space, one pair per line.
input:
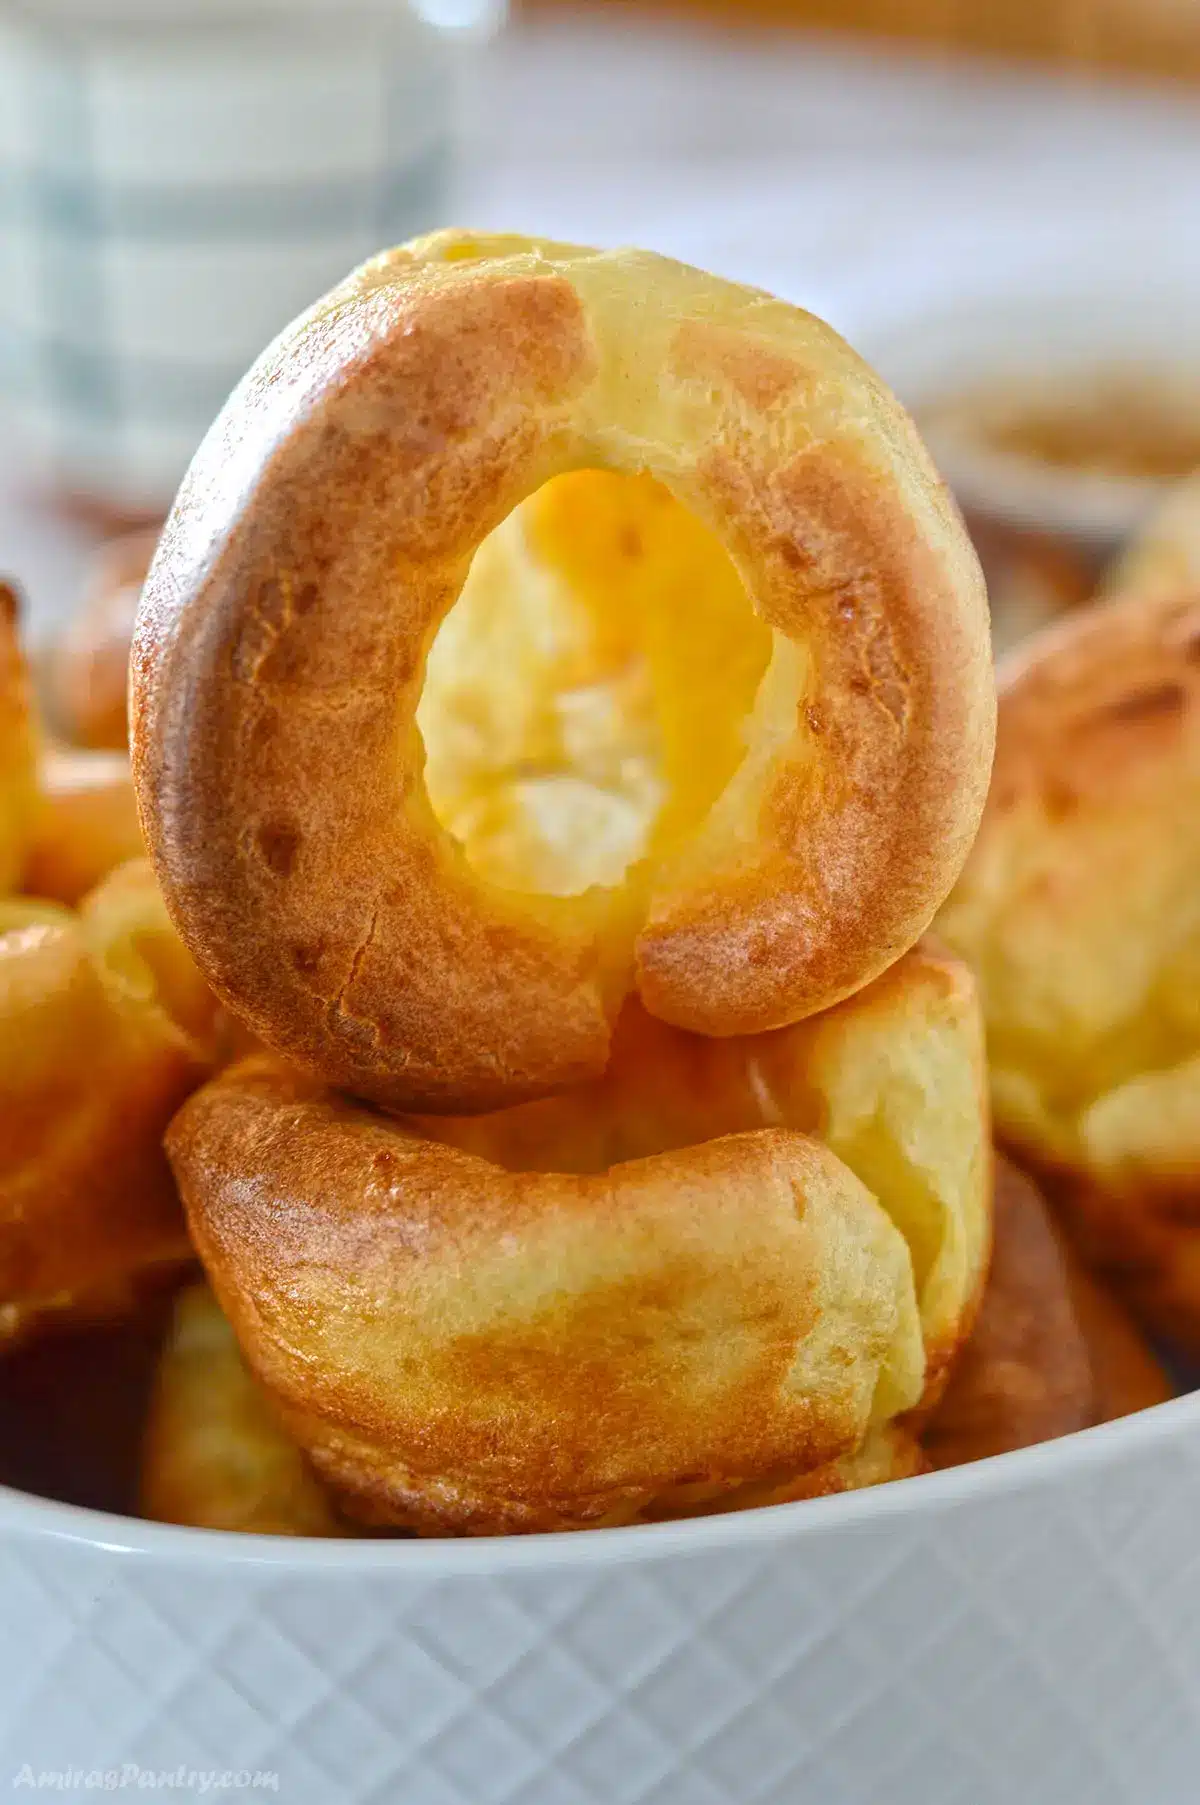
[18,752]
[724,1264]
[1043,1360]
[85,823]
[1079,911]
[324,533]
[1051,1350]
[1164,556]
[214,1454]
[105,1026]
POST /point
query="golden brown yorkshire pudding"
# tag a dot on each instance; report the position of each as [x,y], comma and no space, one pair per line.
[88,669]
[105,1027]
[1080,910]
[84,826]
[18,749]
[1164,557]
[1024,1375]
[1126,1374]
[724,1264]
[325,532]
[214,1455]
[1051,1351]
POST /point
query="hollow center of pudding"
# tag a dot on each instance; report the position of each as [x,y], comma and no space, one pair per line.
[585,698]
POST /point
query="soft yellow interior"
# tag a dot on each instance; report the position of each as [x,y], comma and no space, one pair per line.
[585,699]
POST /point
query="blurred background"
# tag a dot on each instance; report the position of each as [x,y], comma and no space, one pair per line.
[996,202]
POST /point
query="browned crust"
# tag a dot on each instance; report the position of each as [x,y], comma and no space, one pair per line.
[216,1456]
[1097,707]
[466,1350]
[1053,1350]
[1077,907]
[274,659]
[1126,1374]
[92,1067]
[672,1283]
[875,808]
[1024,1375]
[594,1401]
[324,530]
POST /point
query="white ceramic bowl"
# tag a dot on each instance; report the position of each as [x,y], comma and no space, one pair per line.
[1022,1632]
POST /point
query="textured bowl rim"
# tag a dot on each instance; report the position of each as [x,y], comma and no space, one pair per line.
[1026,1469]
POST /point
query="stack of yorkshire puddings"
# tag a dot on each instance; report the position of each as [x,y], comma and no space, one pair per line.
[561,702]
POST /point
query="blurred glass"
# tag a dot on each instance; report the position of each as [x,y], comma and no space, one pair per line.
[177,182]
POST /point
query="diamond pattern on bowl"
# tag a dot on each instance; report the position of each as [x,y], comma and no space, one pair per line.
[1038,1643]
